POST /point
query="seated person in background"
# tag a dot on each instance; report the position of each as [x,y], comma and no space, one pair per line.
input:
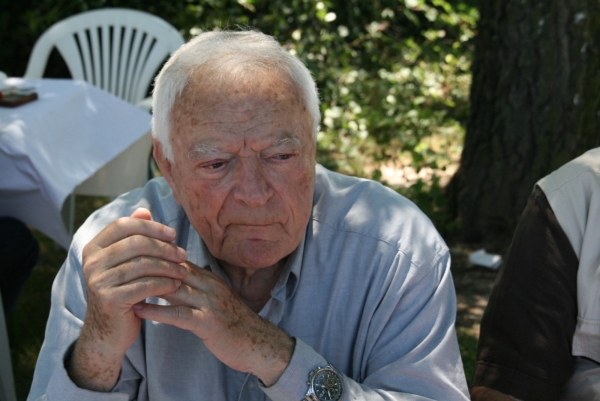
[540,333]
[18,255]
[248,267]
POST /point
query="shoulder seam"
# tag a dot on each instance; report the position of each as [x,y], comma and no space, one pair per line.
[560,185]
[440,251]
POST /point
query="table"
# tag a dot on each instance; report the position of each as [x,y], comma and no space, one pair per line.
[75,138]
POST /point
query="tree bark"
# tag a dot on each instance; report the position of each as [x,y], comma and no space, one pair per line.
[535,104]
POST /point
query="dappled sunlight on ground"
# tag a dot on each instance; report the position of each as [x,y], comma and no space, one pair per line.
[405,176]
[473,286]
[471,311]
[440,158]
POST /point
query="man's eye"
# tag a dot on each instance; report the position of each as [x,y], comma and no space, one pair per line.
[214,166]
[283,157]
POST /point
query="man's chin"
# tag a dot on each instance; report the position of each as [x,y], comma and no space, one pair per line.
[257,261]
[256,254]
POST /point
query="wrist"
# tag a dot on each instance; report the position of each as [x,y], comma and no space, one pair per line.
[270,368]
[92,367]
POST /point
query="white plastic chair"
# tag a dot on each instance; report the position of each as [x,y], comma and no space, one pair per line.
[119,50]
[116,49]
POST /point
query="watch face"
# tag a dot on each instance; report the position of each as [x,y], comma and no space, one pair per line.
[327,386]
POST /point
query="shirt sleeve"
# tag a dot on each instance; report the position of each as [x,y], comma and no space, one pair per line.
[51,381]
[415,354]
[527,328]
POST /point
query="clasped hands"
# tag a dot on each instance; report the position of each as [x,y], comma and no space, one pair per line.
[133,259]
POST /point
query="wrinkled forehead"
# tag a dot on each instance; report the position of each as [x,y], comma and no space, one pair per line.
[225,87]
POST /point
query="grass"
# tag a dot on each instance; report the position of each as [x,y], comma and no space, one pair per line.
[26,324]
[467,343]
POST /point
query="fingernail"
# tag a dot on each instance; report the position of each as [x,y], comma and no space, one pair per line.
[182,269]
[181,253]
[169,232]
[137,306]
[177,282]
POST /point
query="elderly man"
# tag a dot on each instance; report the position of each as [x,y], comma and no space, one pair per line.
[249,272]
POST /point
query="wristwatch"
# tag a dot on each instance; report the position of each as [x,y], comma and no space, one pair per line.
[324,384]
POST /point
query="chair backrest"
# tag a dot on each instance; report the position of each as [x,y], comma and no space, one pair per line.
[116,49]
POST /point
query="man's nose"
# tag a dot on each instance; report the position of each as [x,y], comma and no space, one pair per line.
[252,185]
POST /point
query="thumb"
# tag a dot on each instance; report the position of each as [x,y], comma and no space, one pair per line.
[142,213]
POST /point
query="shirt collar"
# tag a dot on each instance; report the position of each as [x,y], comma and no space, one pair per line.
[285,288]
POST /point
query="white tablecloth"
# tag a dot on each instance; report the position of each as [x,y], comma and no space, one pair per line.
[50,146]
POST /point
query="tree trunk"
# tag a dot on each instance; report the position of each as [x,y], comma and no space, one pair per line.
[535,104]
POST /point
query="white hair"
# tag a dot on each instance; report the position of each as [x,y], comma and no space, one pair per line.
[219,53]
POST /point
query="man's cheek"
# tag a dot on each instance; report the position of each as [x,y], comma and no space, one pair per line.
[196,199]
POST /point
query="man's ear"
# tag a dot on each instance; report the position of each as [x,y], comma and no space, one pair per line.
[165,166]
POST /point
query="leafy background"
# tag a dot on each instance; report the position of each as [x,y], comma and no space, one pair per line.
[394,75]
[394,79]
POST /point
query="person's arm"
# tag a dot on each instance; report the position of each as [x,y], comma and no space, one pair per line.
[413,349]
[237,336]
[92,307]
[416,350]
[527,329]
[68,308]
[129,261]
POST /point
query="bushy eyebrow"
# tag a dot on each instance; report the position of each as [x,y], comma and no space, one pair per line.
[206,148]
[203,149]
[286,140]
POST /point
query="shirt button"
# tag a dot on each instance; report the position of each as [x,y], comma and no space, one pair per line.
[251,384]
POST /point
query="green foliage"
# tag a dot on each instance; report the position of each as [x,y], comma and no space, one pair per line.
[399,78]
[429,196]
[393,75]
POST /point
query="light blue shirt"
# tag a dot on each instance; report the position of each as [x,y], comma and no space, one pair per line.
[369,290]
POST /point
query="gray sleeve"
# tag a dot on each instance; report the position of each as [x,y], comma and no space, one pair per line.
[51,381]
[415,354]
